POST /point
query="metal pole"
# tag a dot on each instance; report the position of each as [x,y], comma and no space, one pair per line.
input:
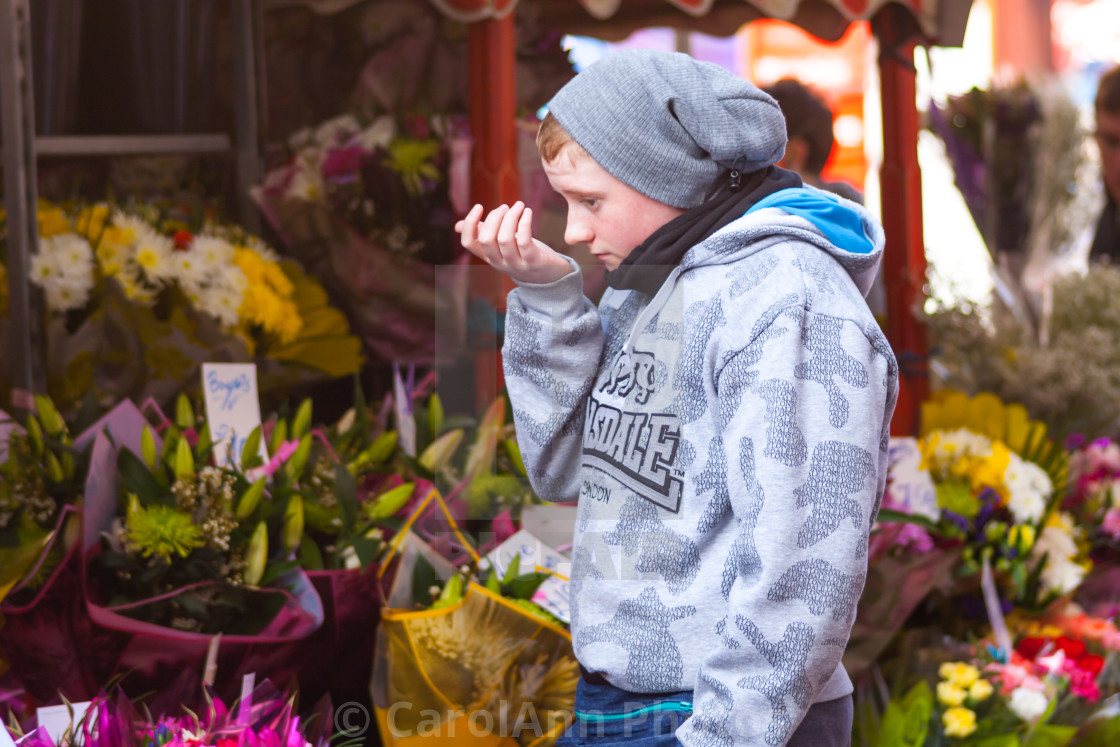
[17,130]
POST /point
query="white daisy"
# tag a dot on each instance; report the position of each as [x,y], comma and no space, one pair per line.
[154,254]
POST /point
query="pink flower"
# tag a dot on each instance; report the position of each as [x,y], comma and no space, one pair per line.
[282,454]
[1111,523]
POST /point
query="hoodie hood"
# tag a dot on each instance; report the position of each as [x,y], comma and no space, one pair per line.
[843,229]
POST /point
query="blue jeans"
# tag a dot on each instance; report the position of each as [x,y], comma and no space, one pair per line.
[607,716]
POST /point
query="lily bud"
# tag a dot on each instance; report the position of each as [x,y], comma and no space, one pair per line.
[256,555]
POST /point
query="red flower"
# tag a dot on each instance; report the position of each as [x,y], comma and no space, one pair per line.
[1031,647]
[1091,663]
[1073,647]
[182,240]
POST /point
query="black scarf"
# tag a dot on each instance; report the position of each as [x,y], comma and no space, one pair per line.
[646,268]
[1106,240]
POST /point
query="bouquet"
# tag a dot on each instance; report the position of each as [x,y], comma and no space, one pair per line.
[988,482]
[265,717]
[1047,688]
[493,663]
[367,207]
[43,471]
[137,297]
[179,549]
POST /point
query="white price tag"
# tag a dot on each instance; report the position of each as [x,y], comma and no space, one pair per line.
[533,553]
[58,722]
[233,409]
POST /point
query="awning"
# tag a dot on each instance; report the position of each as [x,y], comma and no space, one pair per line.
[937,22]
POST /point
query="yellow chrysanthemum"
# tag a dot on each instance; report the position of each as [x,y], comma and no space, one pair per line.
[950,694]
[52,222]
[980,690]
[1021,537]
[959,722]
[987,472]
[958,673]
[289,324]
[92,220]
[161,531]
[412,159]
[275,277]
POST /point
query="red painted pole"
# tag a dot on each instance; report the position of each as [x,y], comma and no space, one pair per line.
[494,177]
[904,263]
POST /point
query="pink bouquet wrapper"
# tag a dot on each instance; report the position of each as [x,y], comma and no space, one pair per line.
[148,654]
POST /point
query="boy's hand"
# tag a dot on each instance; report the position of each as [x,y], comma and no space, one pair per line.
[505,242]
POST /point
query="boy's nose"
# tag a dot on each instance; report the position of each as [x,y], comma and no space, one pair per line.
[576,232]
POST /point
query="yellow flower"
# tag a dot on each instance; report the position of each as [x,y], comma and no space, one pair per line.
[959,722]
[1021,537]
[52,221]
[958,673]
[950,694]
[987,472]
[91,221]
[981,690]
[412,159]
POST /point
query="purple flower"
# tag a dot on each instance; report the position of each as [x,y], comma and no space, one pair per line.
[344,163]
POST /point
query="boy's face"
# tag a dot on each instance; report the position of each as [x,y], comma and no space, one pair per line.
[612,218]
[1108,140]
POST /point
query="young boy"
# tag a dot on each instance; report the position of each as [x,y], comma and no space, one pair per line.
[722,416]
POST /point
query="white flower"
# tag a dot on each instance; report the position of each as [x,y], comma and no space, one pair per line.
[221,303]
[154,254]
[307,182]
[134,227]
[213,253]
[134,287]
[1027,704]
[1061,575]
[189,269]
[378,134]
[73,249]
[64,269]
[1028,486]
[263,250]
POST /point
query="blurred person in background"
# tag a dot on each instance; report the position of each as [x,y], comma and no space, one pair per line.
[1106,240]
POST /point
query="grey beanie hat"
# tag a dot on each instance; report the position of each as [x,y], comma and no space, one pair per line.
[668,125]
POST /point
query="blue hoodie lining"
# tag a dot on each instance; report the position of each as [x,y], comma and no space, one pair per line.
[840,224]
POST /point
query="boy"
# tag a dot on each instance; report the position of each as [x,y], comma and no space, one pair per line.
[721,416]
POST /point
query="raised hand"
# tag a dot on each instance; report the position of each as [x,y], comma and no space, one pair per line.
[504,240]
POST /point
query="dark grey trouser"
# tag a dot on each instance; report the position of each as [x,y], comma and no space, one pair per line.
[827,724]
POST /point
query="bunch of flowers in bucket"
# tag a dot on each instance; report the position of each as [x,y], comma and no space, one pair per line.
[137,296]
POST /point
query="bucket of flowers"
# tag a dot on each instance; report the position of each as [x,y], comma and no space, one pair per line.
[138,296]
[180,551]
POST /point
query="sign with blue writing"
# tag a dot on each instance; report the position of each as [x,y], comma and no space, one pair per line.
[233,408]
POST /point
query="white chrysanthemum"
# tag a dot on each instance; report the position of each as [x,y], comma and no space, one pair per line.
[189,269]
[1061,575]
[1028,704]
[64,268]
[378,134]
[221,303]
[154,254]
[1028,487]
[950,446]
[231,280]
[134,227]
[212,252]
[307,178]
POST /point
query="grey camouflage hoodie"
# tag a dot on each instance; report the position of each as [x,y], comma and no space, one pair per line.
[727,443]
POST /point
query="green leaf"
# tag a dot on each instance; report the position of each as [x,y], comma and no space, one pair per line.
[250,451]
[366,549]
[276,570]
[295,464]
[1104,733]
[250,498]
[1001,740]
[513,569]
[890,516]
[138,480]
[310,558]
[1050,735]
[346,492]
[906,721]
[423,578]
[524,586]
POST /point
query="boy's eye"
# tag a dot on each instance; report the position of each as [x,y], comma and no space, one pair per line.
[590,202]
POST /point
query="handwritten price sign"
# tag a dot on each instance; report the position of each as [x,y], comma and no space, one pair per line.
[233,408]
